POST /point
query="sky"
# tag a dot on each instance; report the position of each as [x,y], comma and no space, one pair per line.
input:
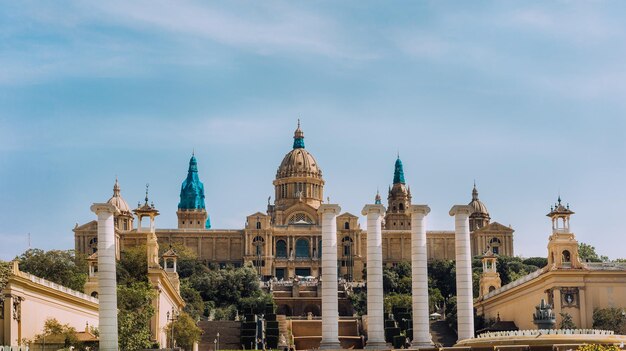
[527,98]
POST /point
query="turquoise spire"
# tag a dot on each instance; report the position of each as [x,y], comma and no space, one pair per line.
[377,199]
[298,138]
[192,190]
[398,173]
[207,224]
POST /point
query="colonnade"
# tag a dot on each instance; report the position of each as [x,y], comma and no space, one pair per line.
[419,276]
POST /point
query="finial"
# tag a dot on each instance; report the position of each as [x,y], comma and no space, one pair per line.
[398,153]
[327,199]
[298,122]
[147,186]
[559,198]
[193,151]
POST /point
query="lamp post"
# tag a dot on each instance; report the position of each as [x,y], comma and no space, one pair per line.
[217,345]
[174,317]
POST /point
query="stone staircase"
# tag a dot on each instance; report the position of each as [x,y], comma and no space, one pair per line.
[442,334]
[230,335]
[283,328]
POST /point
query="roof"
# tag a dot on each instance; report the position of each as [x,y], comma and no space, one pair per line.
[499,326]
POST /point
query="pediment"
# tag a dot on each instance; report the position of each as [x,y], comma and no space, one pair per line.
[92,225]
[495,227]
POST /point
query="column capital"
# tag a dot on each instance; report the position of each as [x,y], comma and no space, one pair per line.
[329,208]
[373,209]
[461,209]
[104,207]
[424,209]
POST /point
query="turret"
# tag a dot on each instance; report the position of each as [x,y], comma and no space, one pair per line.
[562,245]
[490,278]
[191,208]
[480,217]
[399,201]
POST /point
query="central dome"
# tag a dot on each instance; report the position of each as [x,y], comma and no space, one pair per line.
[298,162]
[298,178]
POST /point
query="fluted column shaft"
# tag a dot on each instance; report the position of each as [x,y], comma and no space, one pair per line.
[330,311]
[419,273]
[464,292]
[107,284]
[375,310]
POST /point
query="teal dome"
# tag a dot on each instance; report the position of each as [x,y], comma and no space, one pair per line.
[192,190]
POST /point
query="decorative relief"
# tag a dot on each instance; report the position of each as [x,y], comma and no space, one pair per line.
[569,297]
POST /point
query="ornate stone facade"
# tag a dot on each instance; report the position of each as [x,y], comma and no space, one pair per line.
[285,240]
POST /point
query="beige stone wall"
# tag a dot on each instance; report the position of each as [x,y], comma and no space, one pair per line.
[591,289]
[38,300]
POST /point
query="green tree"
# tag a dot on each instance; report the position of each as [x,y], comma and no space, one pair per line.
[538,262]
[390,280]
[358,299]
[53,328]
[194,306]
[134,302]
[133,265]
[566,321]
[60,266]
[397,300]
[587,253]
[610,319]
[5,273]
[186,332]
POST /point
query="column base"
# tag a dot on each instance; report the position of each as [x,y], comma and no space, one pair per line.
[415,345]
[377,345]
[330,345]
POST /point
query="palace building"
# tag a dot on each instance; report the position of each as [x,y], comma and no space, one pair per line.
[284,240]
[566,283]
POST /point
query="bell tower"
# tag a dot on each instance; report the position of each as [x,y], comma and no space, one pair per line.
[490,278]
[399,201]
[562,245]
[191,209]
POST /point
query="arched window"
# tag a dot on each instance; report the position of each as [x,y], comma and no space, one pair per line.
[281,249]
[93,244]
[302,248]
[401,206]
[319,250]
[492,288]
[258,244]
[347,245]
[346,225]
[94,294]
[258,225]
[494,243]
[300,218]
[566,257]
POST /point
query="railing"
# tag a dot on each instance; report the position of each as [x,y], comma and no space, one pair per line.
[538,332]
[54,286]
[515,283]
[14,348]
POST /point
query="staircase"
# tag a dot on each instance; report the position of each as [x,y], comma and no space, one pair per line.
[283,329]
[230,335]
[442,334]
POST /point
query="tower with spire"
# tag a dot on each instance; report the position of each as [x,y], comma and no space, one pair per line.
[192,212]
[480,217]
[124,220]
[399,201]
[562,246]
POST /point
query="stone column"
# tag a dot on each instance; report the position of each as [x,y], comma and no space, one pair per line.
[107,284]
[330,310]
[464,297]
[375,311]
[419,281]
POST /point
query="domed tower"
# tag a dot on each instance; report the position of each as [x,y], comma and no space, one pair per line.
[298,181]
[123,221]
[399,201]
[480,218]
[562,244]
[191,209]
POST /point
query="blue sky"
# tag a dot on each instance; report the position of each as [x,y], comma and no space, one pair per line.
[527,98]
